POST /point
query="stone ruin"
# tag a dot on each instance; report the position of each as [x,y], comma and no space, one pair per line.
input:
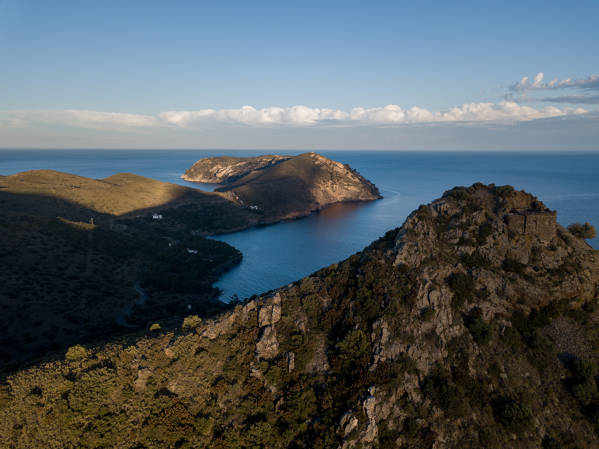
[539,223]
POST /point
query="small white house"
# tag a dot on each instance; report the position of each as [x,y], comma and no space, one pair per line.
[156,216]
[254,207]
[192,251]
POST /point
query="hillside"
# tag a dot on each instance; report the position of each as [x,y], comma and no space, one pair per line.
[66,281]
[473,325]
[226,169]
[52,193]
[298,186]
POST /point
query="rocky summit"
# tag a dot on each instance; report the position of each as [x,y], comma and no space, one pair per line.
[473,325]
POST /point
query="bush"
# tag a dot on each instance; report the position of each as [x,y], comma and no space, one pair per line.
[191,322]
[154,327]
[76,352]
[583,231]
[427,313]
[479,328]
[484,231]
[462,286]
[504,191]
[514,414]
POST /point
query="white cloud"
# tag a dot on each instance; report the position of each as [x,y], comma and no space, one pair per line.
[589,83]
[79,118]
[294,116]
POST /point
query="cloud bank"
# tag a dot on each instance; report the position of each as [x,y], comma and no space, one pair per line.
[294,116]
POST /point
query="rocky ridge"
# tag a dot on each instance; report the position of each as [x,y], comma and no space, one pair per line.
[226,169]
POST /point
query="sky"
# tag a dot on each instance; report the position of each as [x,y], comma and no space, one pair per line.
[300,75]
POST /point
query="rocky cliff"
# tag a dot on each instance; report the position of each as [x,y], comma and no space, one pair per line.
[466,327]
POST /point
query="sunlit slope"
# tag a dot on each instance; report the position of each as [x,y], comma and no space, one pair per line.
[119,194]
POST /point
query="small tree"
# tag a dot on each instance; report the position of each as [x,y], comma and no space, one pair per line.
[583,231]
[191,322]
[76,352]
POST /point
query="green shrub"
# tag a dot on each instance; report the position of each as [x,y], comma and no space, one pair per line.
[504,191]
[583,231]
[582,371]
[479,328]
[427,313]
[484,231]
[76,352]
[462,286]
[191,322]
[513,266]
[353,352]
[515,414]
[440,388]
[585,392]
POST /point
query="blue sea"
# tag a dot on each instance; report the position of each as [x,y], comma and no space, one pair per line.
[279,254]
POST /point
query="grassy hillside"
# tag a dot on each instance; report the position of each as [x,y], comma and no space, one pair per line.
[458,330]
[53,193]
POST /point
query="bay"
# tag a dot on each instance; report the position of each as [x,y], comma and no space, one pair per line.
[279,254]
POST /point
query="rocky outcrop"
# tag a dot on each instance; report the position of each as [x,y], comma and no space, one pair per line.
[225,169]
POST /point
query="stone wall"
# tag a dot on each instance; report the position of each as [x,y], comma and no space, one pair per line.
[533,222]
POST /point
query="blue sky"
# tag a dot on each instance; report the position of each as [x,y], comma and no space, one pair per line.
[156,74]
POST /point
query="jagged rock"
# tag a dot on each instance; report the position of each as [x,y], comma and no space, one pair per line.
[348,423]
[290,361]
[270,313]
[369,405]
[267,345]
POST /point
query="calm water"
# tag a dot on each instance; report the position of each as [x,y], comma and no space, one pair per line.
[279,254]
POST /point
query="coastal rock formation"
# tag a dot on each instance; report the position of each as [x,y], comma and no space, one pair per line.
[460,329]
[227,169]
[298,186]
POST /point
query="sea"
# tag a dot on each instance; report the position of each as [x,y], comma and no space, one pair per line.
[279,254]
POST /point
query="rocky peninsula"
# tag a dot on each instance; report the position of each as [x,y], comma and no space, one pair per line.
[283,187]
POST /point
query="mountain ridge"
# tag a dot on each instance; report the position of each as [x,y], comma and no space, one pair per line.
[462,328]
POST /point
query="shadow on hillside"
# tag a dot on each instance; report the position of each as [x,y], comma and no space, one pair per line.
[69,274]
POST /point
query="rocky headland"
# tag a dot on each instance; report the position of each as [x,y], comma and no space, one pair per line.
[283,187]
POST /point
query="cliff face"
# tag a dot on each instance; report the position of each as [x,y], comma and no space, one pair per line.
[225,169]
[466,327]
[299,186]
